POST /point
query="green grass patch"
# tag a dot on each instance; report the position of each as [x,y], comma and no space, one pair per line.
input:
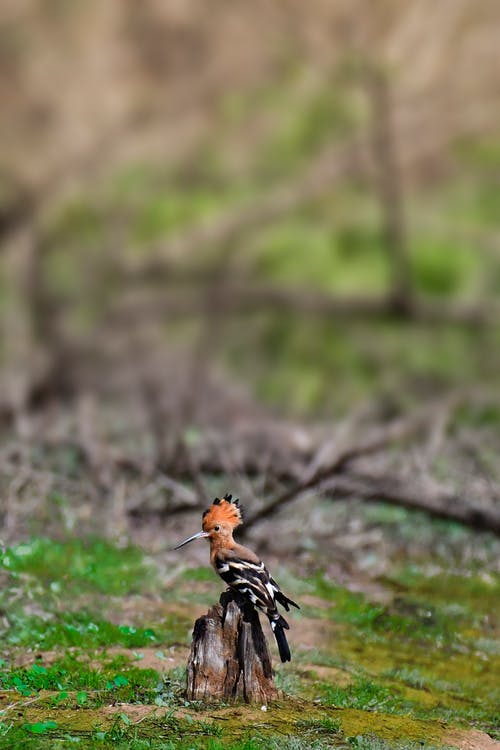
[364,694]
[76,564]
[76,684]
[442,608]
[168,733]
[464,598]
[367,742]
[68,674]
[406,618]
[85,630]
[325,725]
[202,574]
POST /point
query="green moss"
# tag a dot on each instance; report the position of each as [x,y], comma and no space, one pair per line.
[357,723]
[241,727]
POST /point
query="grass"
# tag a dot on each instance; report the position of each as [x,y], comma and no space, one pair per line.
[364,694]
[71,680]
[409,618]
[325,725]
[83,565]
[122,736]
[375,743]
[383,652]
[86,630]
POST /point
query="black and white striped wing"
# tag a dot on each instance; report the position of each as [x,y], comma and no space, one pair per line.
[251,579]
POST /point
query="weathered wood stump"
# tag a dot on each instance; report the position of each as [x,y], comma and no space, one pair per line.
[229,656]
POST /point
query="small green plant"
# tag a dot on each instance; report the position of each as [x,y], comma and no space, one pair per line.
[40,727]
[324,725]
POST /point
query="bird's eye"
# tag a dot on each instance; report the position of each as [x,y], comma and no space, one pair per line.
[216,528]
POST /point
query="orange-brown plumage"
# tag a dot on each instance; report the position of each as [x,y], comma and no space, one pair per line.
[240,568]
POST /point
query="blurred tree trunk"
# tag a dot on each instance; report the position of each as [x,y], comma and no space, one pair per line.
[389,187]
[23,359]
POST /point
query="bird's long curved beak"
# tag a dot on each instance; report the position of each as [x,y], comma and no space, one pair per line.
[199,535]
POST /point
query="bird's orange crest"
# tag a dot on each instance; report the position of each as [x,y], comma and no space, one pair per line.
[222,510]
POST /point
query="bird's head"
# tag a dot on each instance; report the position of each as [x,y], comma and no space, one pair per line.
[218,521]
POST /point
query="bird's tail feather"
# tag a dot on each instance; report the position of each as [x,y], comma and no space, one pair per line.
[285,601]
[279,626]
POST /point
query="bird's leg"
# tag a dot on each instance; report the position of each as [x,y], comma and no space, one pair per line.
[246,608]
[225,598]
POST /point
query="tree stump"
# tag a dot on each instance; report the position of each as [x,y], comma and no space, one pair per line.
[229,656]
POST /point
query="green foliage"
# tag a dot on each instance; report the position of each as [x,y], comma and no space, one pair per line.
[85,565]
[320,366]
[311,251]
[277,742]
[68,674]
[363,694]
[479,415]
[75,683]
[367,742]
[172,209]
[333,245]
[40,727]
[325,725]
[443,269]
[325,116]
[82,221]
[85,630]
[412,677]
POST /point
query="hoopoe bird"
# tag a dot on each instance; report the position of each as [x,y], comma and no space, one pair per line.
[240,568]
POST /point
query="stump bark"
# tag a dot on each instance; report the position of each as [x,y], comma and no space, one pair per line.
[229,656]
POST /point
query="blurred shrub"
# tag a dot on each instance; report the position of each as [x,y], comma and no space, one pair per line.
[440,268]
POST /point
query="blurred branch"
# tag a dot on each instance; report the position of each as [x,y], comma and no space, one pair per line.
[437,501]
[338,479]
[246,298]
[378,440]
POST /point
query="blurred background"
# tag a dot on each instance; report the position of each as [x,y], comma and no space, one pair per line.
[253,247]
